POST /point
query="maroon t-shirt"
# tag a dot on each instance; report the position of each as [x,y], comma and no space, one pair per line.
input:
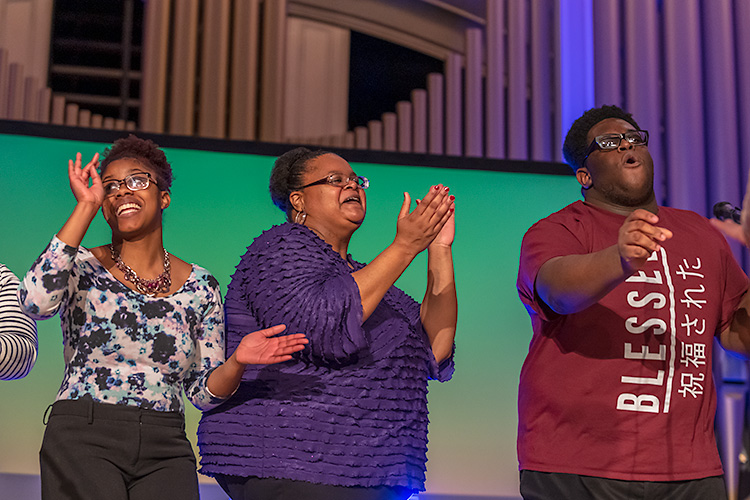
[623,389]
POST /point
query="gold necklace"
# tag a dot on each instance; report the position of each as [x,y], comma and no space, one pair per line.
[160,284]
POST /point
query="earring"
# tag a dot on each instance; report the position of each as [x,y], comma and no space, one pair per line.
[300,218]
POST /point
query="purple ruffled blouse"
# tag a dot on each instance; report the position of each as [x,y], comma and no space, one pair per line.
[349,410]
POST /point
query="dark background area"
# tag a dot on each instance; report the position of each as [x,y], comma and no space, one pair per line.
[381,74]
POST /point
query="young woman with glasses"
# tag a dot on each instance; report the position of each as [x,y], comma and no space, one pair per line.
[140,327]
[347,418]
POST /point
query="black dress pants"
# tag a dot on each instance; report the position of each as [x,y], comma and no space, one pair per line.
[557,486]
[257,488]
[96,451]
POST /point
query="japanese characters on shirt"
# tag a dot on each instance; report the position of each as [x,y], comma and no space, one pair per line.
[682,346]
[692,351]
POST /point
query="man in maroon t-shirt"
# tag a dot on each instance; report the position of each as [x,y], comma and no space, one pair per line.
[616,398]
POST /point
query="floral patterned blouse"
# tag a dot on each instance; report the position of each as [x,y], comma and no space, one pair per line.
[122,347]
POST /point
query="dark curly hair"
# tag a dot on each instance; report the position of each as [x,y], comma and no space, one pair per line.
[144,151]
[576,142]
[286,175]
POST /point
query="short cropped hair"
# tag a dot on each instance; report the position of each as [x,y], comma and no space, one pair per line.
[576,142]
[144,151]
[286,175]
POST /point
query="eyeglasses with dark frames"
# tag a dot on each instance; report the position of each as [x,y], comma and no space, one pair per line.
[610,142]
[339,180]
[135,182]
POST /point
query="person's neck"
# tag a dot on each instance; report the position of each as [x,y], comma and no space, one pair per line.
[144,254]
[625,210]
[339,241]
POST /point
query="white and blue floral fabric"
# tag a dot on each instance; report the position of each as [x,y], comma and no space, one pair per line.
[123,347]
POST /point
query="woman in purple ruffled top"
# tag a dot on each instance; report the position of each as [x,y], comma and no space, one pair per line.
[347,417]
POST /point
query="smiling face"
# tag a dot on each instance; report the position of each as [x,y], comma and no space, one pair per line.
[623,177]
[128,212]
[330,209]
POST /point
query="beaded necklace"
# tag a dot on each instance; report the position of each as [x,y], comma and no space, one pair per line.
[160,284]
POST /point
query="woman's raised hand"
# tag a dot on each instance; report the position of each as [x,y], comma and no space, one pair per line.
[730,229]
[79,180]
[416,230]
[741,231]
[264,347]
[446,235]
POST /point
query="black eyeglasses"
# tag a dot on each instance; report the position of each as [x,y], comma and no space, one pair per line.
[339,180]
[610,142]
[135,182]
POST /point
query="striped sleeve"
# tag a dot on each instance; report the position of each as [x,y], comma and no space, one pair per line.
[18,340]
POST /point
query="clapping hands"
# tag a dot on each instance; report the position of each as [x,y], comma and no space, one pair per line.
[431,223]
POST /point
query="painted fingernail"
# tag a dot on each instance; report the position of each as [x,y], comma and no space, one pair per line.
[451,197]
[434,187]
[446,188]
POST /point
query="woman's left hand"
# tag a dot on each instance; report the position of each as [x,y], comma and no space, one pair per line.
[79,180]
[264,347]
[730,229]
[447,233]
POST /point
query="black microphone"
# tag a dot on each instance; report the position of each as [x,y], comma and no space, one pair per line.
[725,210]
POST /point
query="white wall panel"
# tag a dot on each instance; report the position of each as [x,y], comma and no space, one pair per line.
[316,79]
[542,137]
[518,118]
[643,79]
[273,66]
[474,118]
[25,31]
[495,85]
[607,61]
[214,70]
[436,113]
[184,62]
[156,33]
[454,104]
[419,118]
[243,113]
[404,115]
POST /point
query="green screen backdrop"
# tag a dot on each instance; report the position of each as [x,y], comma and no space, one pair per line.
[220,202]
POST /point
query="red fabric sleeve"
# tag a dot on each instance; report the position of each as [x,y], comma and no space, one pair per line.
[543,241]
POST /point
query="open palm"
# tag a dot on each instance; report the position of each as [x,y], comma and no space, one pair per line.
[447,233]
[80,177]
[265,347]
